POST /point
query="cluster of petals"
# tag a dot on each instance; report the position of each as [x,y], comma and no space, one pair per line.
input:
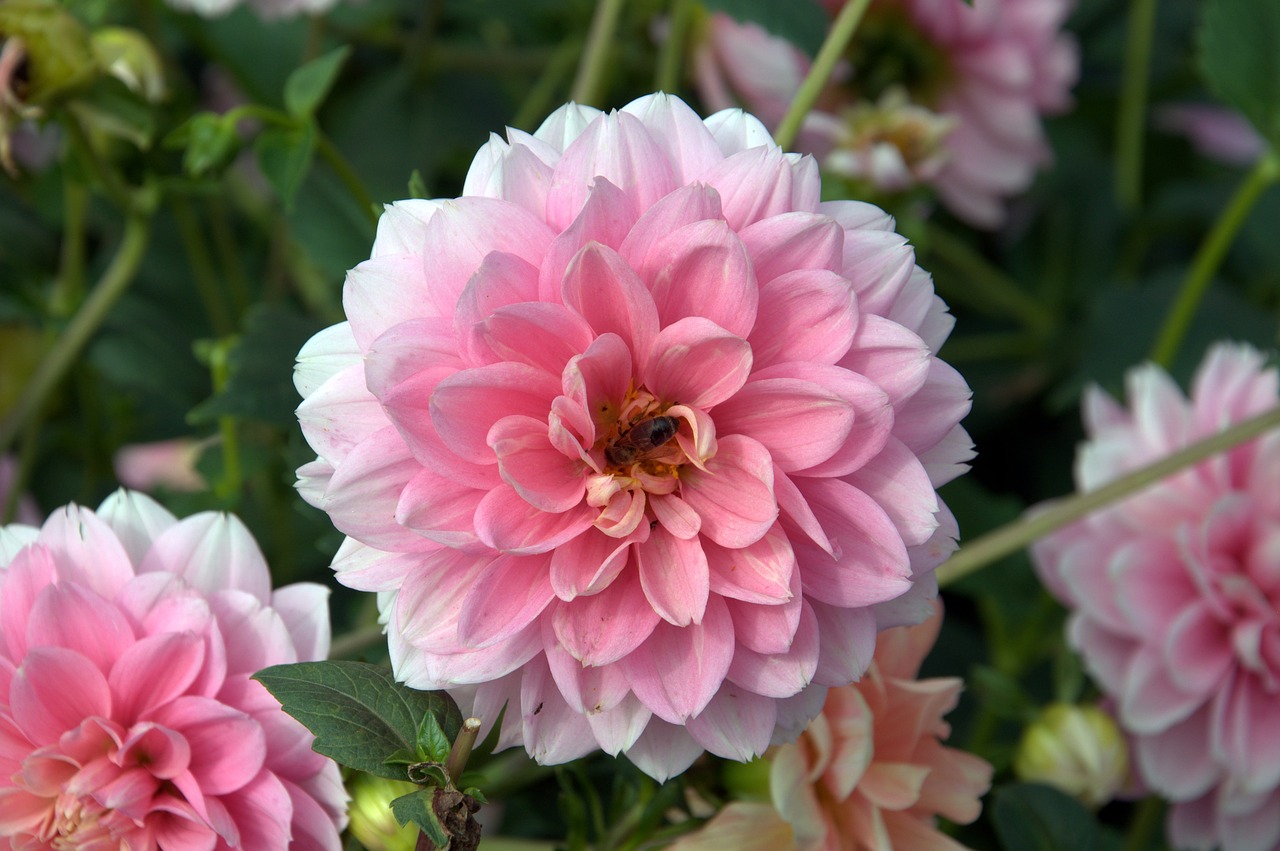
[265,9]
[995,67]
[870,771]
[128,718]
[638,437]
[1175,596]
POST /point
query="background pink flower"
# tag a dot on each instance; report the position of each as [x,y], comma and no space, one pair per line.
[870,771]
[989,71]
[128,719]
[24,507]
[1175,595]
[638,436]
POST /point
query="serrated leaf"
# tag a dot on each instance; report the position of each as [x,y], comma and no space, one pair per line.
[432,741]
[416,807]
[285,154]
[307,86]
[804,23]
[1032,817]
[1241,61]
[260,385]
[358,713]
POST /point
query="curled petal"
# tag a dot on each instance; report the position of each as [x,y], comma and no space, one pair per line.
[697,363]
[734,495]
[507,522]
[538,471]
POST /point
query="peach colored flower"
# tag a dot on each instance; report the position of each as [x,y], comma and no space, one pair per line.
[1175,596]
[870,772]
[638,437]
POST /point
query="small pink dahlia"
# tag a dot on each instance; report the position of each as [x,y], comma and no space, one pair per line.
[127,716]
[1175,596]
[870,772]
[637,436]
[936,92]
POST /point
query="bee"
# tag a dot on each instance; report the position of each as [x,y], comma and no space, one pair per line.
[641,439]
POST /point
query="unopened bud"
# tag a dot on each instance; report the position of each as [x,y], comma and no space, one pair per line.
[1078,749]
[127,55]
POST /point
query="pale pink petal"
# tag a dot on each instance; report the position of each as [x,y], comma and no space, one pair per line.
[539,334]
[760,572]
[736,724]
[42,705]
[793,241]
[506,522]
[799,422]
[588,563]
[679,669]
[304,608]
[702,270]
[466,404]
[538,471]
[601,287]
[663,750]
[440,509]
[807,315]
[606,219]
[697,363]
[674,576]
[213,552]
[76,538]
[509,595]
[605,627]
[784,673]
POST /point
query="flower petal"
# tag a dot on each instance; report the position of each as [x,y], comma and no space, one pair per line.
[734,495]
[799,422]
[507,522]
[509,595]
[673,574]
[605,627]
[679,669]
[538,471]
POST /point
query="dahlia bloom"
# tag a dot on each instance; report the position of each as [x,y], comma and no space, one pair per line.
[128,719]
[977,80]
[637,436]
[1175,596]
[870,771]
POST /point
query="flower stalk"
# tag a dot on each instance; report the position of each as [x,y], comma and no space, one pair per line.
[588,84]
[838,38]
[1014,536]
[1132,112]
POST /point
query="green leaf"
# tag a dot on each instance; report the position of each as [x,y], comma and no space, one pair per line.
[260,385]
[307,87]
[416,807]
[804,23]
[109,107]
[211,142]
[285,155]
[1240,59]
[433,744]
[358,713]
[1031,817]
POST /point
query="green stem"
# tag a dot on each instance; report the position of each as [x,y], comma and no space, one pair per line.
[588,85]
[1131,119]
[1014,536]
[667,77]
[1209,257]
[115,280]
[824,63]
[201,267]
[983,286]
[352,644]
[456,763]
[348,176]
[1144,824]
[68,289]
[224,242]
[220,368]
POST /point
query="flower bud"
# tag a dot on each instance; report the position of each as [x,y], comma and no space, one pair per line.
[56,57]
[1077,749]
[372,821]
[127,55]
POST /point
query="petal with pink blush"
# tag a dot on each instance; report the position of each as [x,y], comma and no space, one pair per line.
[782,674]
[679,669]
[873,418]
[898,482]
[407,350]
[323,356]
[879,264]
[1176,762]
[441,509]
[1198,650]
[619,148]
[676,516]
[703,269]
[734,496]
[400,226]
[75,537]
[846,643]
[42,705]
[759,573]
[944,398]
[767,627]
[697,363]
[807,315]
[538,471]
[383,292]
[673,574]
[340,413]
[736,724]
[587,688]
[428,605]
[227,746]
[137,520]
[605,219]
[466,405]
[799,422]
[539,334]
[254,635]
[211,551]
[552,731]
[1243,732]
[663,750]
[589,563]
[618,728]
[893,357]
[153,671]
[871,563]
[606,292]
[605,627]
[1151,701]
[754,184]
[262,812]
[304,608]
[597,381]
[792,241]
[502,279]
[464,231]
[69,615]
[679,131]
[509,595]
[507,522]
[694,202]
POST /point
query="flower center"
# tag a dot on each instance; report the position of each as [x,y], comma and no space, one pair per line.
[76,824]
[641,439]
[890,50]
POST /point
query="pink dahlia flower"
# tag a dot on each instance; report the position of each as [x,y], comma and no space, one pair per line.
[167,464]
[637,436]
[977,80]
[870,771]
[1175,596]
[128,719]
